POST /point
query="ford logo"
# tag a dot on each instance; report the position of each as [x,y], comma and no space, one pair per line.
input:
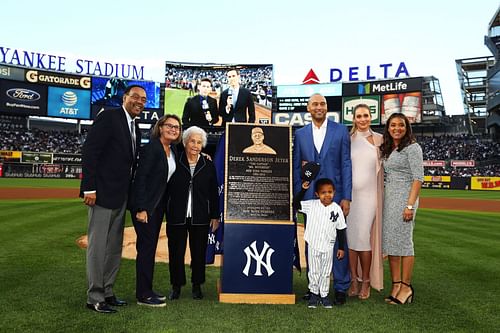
[22,94]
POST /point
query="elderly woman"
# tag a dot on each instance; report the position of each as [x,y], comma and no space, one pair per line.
[192,208]
[364,229]
[156,166]
[403,166]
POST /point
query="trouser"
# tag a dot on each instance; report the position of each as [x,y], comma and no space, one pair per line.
[104,251]
[177,241]
[341,272]
[320,266]
[147,242]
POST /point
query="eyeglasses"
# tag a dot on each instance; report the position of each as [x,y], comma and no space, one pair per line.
[170,126]
[136,97]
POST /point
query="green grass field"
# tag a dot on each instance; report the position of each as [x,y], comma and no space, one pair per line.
[42,282]
[75,183]
[175,100]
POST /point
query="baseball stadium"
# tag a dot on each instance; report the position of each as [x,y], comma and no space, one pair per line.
[46,115]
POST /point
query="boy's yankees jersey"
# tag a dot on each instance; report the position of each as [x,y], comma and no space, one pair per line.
[322,224]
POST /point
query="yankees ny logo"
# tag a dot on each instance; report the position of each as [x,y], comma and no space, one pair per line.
[252,252]
[333,216]
[308,173]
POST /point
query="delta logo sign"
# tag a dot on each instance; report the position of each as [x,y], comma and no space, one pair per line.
[362,73]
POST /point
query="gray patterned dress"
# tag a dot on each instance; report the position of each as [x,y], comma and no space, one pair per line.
[401,169]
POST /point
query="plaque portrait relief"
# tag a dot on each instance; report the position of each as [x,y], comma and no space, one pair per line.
[258,147]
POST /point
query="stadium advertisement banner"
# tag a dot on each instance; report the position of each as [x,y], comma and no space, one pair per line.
[68,103]
[443,182]
[485,183]
[109,91]
[463,163]
[35,157]
[300,118]
[18,170]
[410,104]
[66,158]
[23,98]
[10,155]
[349,103]
[11,73]
[182,78]
[434,163]
[57,79]
[382,87]
[293,110]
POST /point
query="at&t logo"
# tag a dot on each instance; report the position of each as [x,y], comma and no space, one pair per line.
[69,99]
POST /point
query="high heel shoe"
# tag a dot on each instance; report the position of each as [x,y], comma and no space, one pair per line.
[409,298]
[353,288]
[391,298]
[365,290]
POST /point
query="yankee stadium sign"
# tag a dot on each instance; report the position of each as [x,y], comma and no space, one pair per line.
[59,63]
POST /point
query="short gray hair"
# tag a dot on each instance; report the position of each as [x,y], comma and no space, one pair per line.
[192,131]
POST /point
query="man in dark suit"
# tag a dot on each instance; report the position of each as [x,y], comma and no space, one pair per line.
[201,110]
[327,143]
[108,162]
[236,103]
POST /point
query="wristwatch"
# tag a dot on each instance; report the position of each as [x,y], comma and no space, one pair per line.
[410,207]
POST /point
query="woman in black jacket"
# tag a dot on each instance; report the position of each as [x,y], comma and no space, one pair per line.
[192,208]
[157,163]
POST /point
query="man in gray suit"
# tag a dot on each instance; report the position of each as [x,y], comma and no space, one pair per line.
[108,162]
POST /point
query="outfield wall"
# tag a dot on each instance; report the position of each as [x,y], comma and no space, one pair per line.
[462,183]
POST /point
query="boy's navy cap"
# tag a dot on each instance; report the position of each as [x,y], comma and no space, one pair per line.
[309,171]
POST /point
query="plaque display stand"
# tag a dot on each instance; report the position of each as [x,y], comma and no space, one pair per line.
[257,265]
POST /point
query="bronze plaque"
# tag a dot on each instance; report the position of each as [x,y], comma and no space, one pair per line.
[258,173]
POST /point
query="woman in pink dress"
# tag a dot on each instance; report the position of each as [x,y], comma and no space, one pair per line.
[364,219]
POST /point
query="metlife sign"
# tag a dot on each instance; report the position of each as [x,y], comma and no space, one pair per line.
[68,103]
[382,87]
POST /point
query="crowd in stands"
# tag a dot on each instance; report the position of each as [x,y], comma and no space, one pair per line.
[458,147]
[481,149]
[492,170]
[36,140]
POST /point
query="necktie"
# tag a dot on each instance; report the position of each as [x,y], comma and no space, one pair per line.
[132,134]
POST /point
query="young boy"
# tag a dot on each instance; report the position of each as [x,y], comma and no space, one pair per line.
[325,221]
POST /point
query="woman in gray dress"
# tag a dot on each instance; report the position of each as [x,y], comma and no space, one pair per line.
[404,174]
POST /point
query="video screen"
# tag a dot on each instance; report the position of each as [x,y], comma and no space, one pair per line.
[109,91]
[182,79]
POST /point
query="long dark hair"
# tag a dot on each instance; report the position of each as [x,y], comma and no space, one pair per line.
[387,147]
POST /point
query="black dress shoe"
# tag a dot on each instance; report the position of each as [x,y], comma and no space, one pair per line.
[159,296]
[112,300]
[174,294]
[101,307]
[151,301]
[197,294]
[307,296]
[340,298]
